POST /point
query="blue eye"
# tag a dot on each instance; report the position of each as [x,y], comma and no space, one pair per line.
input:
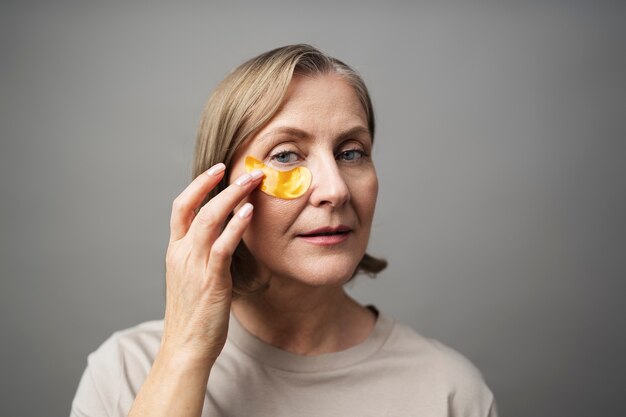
[350,155]
[285,157]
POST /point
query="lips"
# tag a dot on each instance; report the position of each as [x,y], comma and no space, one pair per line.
[327,231]
[326,236]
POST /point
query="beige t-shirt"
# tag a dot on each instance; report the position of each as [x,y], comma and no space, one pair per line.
[394,372]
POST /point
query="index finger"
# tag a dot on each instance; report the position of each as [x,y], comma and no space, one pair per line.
[206,227]
[184,206]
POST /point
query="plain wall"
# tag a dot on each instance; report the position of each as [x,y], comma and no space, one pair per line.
[500,153]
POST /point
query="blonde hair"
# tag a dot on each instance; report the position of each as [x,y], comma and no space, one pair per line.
[243,103]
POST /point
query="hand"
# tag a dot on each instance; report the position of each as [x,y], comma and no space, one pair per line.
[198,279]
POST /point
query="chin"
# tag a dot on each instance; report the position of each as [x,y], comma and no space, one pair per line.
[330,271]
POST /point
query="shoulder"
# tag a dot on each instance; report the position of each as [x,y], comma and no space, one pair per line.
[441,357]
[443,369]
[405,340]
[137,343]
[116,370]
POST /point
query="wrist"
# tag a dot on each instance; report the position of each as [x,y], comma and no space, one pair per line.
[183,361]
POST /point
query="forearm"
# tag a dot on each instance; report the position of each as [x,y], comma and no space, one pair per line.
[173,387]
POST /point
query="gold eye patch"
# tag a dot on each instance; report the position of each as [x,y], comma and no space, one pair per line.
[282,184]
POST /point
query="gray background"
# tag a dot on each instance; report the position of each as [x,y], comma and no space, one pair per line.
[500,154]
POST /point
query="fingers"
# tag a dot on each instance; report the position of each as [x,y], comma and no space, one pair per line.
[184,205]
[224,247]
[207,225]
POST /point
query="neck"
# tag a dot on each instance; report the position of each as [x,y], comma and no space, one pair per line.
[304,320]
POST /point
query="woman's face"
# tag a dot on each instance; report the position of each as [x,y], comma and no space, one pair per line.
[320,237]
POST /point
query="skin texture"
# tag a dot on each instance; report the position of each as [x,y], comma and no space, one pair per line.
[341,192]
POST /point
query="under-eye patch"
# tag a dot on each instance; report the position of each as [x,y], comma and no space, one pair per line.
[282,184]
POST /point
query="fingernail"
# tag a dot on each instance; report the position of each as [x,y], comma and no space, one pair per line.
[216,169]
[244,179]
[256,174]
[245,211]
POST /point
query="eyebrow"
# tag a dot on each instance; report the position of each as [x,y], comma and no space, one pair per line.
[301,134]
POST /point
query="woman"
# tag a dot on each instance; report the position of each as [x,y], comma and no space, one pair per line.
[276,220]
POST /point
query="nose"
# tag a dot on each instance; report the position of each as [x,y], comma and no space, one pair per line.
[329,187]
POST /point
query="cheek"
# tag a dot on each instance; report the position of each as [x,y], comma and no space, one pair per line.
[364,192]
[272,217]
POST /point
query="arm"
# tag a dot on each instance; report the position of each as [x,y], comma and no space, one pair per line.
[174,387]
[198,294]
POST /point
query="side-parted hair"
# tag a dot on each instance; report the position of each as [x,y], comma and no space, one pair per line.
[242,104]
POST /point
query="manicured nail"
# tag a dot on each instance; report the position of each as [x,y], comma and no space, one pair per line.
[216,169]
[256,174]
[244,179]
[245,211]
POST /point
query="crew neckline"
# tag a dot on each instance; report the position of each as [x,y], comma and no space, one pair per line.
[291,362]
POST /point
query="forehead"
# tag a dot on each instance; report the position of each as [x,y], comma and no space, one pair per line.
[319,93]
[318,105]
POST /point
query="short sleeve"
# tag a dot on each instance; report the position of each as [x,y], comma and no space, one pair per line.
[469,395]
[87,401]
[493,410]
[98,390]
[116,371]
